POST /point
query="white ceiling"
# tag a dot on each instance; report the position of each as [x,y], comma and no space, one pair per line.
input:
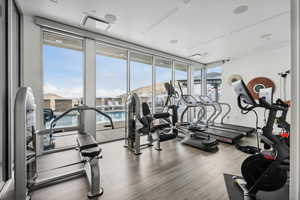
[199,25]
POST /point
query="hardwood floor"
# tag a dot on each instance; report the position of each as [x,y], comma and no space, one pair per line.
[177,173]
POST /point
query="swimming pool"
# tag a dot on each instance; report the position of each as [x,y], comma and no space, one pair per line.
[71,119]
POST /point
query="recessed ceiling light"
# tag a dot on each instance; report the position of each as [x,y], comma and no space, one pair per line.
[110,18]
[240,9]
[266,36]
[186,1]
[173,41]
[54,1]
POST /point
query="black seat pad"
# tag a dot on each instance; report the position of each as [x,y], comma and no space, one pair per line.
[87,145]
[167,136]
[159,127]
[161,115]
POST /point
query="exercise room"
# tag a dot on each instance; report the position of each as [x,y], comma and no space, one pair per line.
[149,100]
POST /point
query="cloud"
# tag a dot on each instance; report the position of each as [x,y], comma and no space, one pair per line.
[64,92]
[109,93]
[76,92]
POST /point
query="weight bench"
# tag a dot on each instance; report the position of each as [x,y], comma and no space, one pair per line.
[90,153]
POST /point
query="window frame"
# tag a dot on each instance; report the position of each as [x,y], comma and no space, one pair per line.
[130,51]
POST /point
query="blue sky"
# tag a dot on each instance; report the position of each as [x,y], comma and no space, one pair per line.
[63,70]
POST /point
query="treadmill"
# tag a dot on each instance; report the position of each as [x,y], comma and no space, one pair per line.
[198,140]
[225,136]
[247,131]
[222,135]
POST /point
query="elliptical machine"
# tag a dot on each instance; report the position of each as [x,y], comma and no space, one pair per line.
[192,137]
[264,171]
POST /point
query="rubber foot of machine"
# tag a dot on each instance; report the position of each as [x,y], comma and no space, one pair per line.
[90,195]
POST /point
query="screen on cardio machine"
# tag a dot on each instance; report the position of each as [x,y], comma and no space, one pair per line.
[205,99]
[266,94]
[189,99]
[241,90]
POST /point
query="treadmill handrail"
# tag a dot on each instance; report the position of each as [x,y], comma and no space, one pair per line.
[187,104]
[218,111]
[226,113]
[202,108]
[205,103]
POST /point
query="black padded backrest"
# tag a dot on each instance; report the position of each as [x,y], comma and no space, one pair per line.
[170,89]
[145,109]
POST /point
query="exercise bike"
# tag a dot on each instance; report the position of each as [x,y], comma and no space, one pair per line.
[266,170]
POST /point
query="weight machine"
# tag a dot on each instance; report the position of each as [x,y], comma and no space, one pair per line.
[26,166]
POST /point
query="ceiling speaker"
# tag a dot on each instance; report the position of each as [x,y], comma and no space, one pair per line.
[233,78]
[260,83]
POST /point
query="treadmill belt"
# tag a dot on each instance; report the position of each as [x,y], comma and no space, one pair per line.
[247,130]
[224,136]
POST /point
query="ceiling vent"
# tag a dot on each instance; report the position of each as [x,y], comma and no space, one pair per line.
[90,21]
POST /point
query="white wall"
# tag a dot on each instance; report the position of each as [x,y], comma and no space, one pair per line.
[267,64]
[32,59]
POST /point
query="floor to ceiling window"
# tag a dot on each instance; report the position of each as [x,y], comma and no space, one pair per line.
[10,82]
[63,64]
[213,85]
[196,86]
[141,76]
[196,80]
[214,81]
[63,80]
[111,90]
[3,91]
[163,74]
[181,78]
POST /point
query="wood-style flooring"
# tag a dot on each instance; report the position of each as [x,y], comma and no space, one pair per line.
[177,173]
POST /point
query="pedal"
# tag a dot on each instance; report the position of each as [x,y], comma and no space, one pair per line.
[243,186]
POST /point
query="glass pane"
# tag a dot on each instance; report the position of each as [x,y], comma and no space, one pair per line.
[197,81]
[141,76]
[63,82]
[196,86]
[3,86]
[163,74]
[111,67]
[214,81]
[181,77]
